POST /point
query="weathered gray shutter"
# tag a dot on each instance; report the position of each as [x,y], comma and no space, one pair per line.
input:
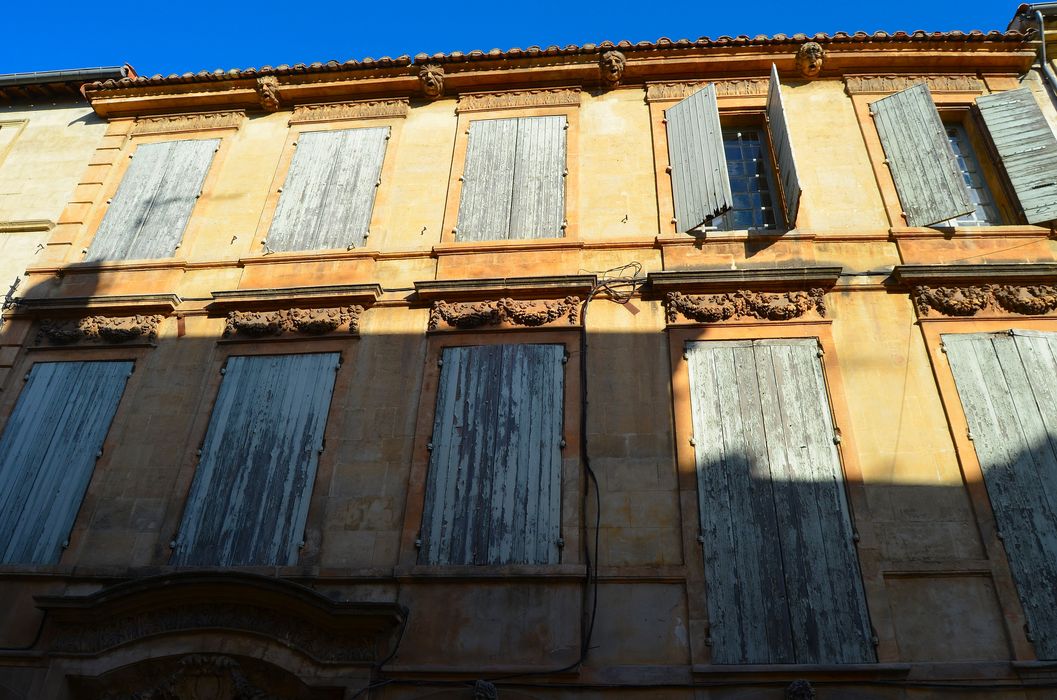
[149,212]
[250,495]
[700,183]
[1027,148]
[493,493]
[782,577]
[488,180]
[930,185]
[329,192]
[538,197]
[48,452]
[1007,389]
[783,149]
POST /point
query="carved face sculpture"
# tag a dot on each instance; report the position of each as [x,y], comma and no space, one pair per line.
[612,66]
[809,59]
[432,78]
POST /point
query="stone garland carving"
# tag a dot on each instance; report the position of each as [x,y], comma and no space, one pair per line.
[105,329]
[1027,300]
[543,97]
[199,676]
[268,90]
[257,324]
[366,109]
[771,306]
[611,65]
[431,77]
[809,58]
[187,122]
[746,87]
[322,645]
[894,83]
[491,313]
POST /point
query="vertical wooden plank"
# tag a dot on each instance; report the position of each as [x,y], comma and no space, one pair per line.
[1027,149]
[488,181]
[538,197]
[249,498]
[783,149]
[923,166]
[700,182]
[300,212]
[48,452]
[345,214]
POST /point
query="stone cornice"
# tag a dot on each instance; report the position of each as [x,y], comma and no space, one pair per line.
[114,305]
[287,297]
[554,287]
[909,275]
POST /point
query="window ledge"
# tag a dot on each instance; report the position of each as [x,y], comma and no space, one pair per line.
[540,572]
[905,232]
[500,246]
[806,671]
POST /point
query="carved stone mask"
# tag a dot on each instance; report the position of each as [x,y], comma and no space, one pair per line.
[809,59]
[611,65]
[432,78]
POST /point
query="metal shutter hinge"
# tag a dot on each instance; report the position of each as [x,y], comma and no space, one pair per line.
[561,443]
[969,434]
[561,543]
[855,536]
[692,442]
[418,541]
[700,539]
[836,439]
[429,446]
[65,544]
[172,543]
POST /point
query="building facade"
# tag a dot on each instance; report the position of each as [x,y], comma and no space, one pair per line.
[716,368]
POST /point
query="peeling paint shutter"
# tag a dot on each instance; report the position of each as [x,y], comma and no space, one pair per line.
[149,212]
[700,183]
[1027,148]
[930,185]
[329,192]
[1006,386]
[538,198]
[493,493]
[249,499]
[48,452]
[488,180]
[782,575]
[783,149]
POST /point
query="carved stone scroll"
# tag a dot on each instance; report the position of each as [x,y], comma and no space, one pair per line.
[492,313]
[337,111]
[258,324]
[855,84]
[98,329]
[739,87]
[543,97]
[188,122]
[770,306]
[1026,300]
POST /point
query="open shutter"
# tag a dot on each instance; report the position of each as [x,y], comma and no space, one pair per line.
[1005,383]
[149,212]
[488,180]
[538,198]
[48,452]
[249,499]
[783,579]
[700,183]
[329,191]
[1027,148]
[930,185]
[493,493]
[783,149]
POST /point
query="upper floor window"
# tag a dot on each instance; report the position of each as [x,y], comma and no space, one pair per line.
[985,212]
[513,183]
[751,181]
[148,214]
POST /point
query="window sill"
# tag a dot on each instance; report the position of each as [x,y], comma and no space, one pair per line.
[806,671]
[502,245]
[1020,230]
[541,572]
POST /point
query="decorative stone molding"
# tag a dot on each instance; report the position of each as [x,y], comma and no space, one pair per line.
[431,78]
[800,690]
[857,84]
[809,58]
[268,89]
[258,324]
[735,87]
[337,111]
[196,676]
[542,97]
[174,123]
[511,311]
[611,66]
[1026,300]
[770,306]
[100,329]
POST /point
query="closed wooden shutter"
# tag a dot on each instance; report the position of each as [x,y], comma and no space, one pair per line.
[48,452]
[1027,148]
[700,183]
[783,149]
[329,192]
[782,578]
[514,179]
[926,174]
[249,499]
[1006,385]
[148,214]
[493,493]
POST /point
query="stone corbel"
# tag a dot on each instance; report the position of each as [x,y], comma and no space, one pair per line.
[99,329]
[506,311]
[260,324]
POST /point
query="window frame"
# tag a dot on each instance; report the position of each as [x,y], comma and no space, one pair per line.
[572,478]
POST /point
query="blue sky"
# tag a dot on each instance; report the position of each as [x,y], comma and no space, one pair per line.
[191,36]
